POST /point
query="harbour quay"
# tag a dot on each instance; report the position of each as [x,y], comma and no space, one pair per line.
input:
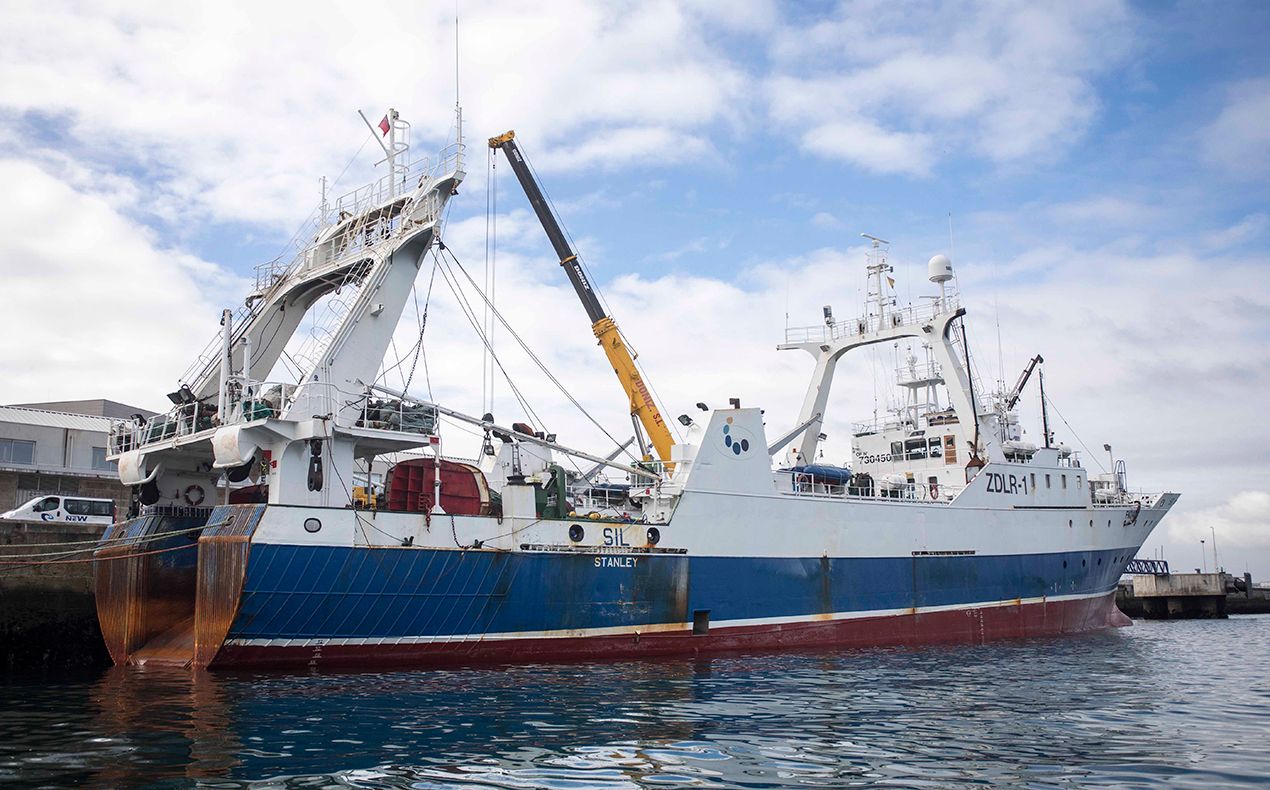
[1162,595]
[54,455]
[48,613]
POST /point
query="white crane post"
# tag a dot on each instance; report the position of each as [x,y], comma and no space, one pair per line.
[227,335]
[246,360]
[436,481]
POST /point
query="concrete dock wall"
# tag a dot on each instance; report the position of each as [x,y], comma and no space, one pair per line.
[48,617]
[1147,586]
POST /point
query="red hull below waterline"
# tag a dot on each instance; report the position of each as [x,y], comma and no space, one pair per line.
[953,626]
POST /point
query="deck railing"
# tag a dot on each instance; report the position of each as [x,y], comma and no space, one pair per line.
[183,420]
[372,226]
[807,484]
[403,415]
[895,317]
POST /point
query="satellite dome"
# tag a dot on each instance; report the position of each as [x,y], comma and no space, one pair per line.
[940,269]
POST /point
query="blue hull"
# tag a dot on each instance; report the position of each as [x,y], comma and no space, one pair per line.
[327,593]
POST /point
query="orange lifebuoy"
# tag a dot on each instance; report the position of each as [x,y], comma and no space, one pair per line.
[191,491]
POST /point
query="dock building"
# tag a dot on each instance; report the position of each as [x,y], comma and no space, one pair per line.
[59,448]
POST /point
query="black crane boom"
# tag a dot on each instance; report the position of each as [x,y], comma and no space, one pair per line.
[568,259]
[1012,399]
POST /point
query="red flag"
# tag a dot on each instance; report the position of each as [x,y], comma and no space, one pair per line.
[384,126]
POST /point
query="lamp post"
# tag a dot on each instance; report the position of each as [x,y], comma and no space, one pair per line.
[1203,556]
[1213,532]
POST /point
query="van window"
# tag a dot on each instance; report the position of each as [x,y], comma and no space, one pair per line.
[101,508]
[46,504]
[88,507]
[76,507]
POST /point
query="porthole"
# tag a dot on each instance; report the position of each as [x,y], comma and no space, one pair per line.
[1064,563]
[1083,563]
[312,525]
[576,533]
[1069,522]
[654,536]
[1100,560]
[1091,522]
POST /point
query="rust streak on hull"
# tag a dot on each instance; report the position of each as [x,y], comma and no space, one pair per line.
[222,566]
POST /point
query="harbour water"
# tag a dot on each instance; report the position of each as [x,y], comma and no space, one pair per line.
[1179,704]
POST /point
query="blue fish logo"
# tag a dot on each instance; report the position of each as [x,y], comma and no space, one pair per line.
[732,439]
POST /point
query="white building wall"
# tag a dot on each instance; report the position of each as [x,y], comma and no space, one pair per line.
[57,449]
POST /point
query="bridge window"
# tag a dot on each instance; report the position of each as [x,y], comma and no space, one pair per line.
[1033,481]
[897,451]
[914,449]
[936,450]
[1047,481]
[1064,482]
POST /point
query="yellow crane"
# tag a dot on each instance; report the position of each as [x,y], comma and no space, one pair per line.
[643,409]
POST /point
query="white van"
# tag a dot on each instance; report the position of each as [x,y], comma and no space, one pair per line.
[74,509]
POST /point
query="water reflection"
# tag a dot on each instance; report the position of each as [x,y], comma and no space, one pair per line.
[1143,705]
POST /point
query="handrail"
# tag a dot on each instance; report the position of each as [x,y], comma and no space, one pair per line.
[369,230]
[250,400]
[806,484]
[899,316]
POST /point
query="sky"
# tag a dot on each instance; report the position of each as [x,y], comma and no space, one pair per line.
[1097,171]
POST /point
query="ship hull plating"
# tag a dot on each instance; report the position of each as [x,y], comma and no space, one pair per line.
[268,593]
[957,625]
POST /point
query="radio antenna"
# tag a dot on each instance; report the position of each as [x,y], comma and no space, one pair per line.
[456,53]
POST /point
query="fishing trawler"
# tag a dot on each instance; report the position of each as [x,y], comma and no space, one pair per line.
[260,540]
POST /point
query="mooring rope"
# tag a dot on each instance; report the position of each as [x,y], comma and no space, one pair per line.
[100,559]
[125,540]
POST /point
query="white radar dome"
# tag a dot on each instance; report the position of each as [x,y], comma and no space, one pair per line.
[940,269]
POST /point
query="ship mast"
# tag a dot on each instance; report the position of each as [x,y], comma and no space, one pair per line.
[884,322]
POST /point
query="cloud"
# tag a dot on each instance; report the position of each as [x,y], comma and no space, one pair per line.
[1106,211]
[95,304]
[695,246]
[871,147]
[1240,522]
[1243,231]
[227,112]
[1004,82]
[625,148]
[823,219]
[1238,140]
